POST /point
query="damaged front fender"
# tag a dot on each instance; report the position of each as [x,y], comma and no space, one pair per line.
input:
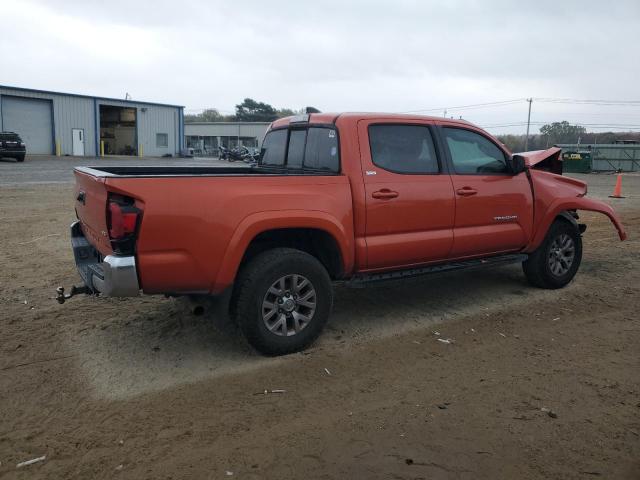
[582,203]
[601,207]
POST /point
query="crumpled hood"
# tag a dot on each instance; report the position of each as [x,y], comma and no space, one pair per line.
[549,159]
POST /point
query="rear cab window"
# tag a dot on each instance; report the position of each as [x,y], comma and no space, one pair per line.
[309,148]
[403,148]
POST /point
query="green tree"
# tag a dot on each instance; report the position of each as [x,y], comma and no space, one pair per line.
[311,110]
[252,111]
[285,112]
[207,115]
[562,132]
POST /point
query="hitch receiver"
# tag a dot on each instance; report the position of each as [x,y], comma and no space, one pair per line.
[61,297]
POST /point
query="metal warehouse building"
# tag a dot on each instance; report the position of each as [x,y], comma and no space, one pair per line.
[70,124]
[204,138]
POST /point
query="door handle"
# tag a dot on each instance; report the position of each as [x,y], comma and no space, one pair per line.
[466,191]
[384,194]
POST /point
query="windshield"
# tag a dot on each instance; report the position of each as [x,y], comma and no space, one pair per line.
[9,137]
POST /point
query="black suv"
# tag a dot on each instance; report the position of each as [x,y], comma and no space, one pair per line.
[11,145]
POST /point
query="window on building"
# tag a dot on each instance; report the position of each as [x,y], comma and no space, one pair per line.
[403,148]
[249,142]
[193,141]
[472,153]
[162,140]
[210,145]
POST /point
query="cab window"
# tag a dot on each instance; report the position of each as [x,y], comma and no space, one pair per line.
[403,149]
[321,152]
[274,148]
[313,148]
[474,154]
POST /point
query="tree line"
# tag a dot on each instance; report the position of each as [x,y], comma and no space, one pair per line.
[249,110]
[563,132]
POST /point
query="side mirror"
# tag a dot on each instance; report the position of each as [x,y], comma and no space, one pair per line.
[517,164]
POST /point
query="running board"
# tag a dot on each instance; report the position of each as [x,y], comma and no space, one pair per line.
[364,279]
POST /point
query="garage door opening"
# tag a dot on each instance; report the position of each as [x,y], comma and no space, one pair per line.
[118,132]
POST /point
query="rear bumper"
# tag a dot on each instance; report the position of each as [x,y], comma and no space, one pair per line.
[112,276]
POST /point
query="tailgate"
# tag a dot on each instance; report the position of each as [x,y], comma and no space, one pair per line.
[91,208]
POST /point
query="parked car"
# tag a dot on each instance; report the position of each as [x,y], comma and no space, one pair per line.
[12,146]
[352,198]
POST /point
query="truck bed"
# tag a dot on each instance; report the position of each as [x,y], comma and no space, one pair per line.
[196,222]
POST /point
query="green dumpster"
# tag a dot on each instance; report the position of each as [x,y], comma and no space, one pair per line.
[576,161]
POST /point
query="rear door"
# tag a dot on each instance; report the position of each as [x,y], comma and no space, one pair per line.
[494,208]
[409,196]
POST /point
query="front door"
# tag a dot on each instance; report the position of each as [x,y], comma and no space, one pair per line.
[77,134]
[494,208]
[409,198]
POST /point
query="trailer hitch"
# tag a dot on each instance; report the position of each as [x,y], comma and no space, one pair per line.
[61,297]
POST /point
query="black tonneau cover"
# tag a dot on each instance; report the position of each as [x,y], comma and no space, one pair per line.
[194,171]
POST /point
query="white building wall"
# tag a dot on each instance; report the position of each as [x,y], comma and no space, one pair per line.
[227,129]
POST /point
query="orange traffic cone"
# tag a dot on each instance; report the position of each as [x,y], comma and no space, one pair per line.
[617,191]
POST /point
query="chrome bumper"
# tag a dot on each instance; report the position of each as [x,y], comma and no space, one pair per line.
[113,276]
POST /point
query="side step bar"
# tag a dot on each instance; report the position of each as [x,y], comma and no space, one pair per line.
[365,279]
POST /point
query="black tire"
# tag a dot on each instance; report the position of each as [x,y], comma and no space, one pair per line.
[254,290]
[538,267]
[20,158]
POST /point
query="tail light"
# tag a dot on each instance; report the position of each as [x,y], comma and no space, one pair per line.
[123,218]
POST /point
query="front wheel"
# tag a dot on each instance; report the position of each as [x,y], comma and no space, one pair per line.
[556,261]
[282,300]
[20,158]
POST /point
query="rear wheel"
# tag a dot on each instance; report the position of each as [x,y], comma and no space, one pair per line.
[20,158]
[556,261]
[282,300]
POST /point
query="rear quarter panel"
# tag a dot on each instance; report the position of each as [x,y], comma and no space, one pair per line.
[195,230]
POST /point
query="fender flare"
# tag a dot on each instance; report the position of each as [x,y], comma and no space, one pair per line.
[560,208]
[261,222]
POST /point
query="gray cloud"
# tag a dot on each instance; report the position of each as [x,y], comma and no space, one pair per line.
[373,55]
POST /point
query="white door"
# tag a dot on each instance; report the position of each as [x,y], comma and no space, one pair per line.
[78,142]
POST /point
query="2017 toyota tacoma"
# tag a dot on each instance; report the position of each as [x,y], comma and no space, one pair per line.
[356,198]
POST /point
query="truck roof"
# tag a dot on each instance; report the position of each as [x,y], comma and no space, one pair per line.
[324,118]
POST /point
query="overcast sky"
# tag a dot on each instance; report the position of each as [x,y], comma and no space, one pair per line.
[344,55]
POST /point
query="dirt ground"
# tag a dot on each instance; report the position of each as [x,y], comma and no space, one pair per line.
[140,388]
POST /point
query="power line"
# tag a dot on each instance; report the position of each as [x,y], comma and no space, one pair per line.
[589,125]
[576,101]
[472,106]
[573,101]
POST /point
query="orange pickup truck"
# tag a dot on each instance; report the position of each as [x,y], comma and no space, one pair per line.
[353,198]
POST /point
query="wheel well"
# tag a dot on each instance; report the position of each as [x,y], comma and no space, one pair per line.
[313,241]
[569,216]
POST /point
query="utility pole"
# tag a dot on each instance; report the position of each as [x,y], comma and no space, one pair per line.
[526,140]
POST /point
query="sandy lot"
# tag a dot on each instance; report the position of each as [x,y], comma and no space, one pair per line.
[140,388]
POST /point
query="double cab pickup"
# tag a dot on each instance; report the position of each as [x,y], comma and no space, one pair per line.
[354,198]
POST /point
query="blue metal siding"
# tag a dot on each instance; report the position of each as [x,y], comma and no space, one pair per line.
[77,111]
